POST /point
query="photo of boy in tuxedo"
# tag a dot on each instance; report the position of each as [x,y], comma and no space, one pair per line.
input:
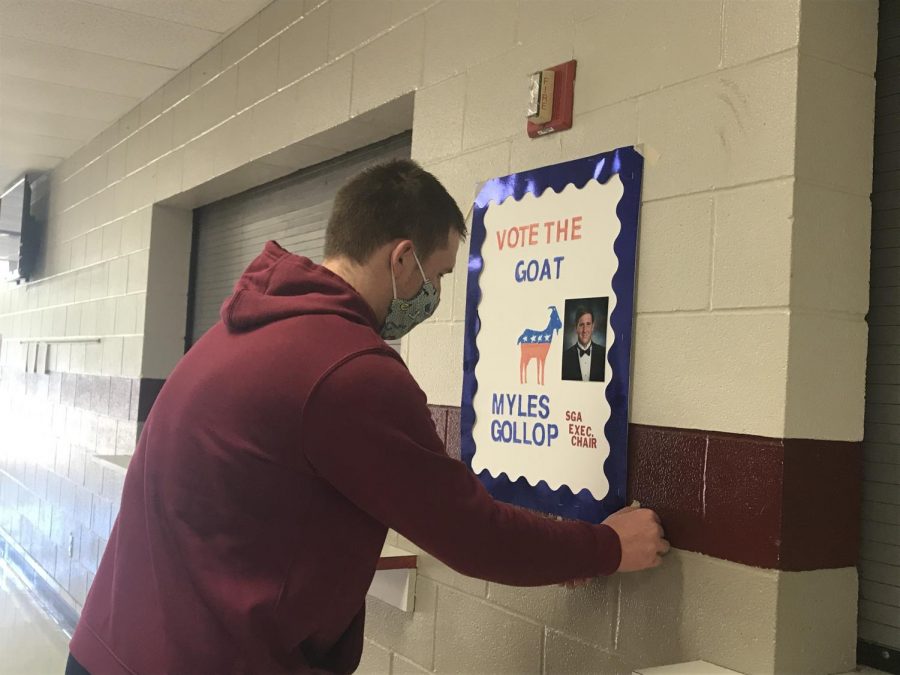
[585,359]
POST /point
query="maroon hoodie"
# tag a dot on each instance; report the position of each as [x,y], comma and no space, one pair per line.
[279,452]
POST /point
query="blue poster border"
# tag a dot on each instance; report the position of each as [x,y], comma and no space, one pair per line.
[628,164]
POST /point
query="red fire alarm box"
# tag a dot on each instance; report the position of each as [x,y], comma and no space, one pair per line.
[552,100]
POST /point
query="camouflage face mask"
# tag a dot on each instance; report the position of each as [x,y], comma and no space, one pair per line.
[404,315]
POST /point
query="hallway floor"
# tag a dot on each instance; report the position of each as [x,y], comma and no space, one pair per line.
[31,642]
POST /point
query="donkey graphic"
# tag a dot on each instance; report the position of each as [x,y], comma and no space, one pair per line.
[535,344]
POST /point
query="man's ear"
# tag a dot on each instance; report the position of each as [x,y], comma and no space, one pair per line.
[401,256]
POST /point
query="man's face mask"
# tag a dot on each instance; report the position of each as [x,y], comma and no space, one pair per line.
[404,315]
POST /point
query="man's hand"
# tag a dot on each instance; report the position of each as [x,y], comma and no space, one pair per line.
[641,536]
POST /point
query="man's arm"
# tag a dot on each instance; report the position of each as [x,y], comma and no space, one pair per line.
[368,432]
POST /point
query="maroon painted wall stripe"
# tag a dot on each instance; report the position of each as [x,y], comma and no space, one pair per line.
[788,504]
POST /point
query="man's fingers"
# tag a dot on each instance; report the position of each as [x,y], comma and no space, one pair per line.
[642,537]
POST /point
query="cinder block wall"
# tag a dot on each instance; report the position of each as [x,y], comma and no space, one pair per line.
[756,122]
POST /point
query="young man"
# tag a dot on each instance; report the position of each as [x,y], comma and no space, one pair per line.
[286,443]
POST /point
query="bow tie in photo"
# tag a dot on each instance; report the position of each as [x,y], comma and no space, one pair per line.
[584,352]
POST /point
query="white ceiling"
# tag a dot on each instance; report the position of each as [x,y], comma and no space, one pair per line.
[69,68]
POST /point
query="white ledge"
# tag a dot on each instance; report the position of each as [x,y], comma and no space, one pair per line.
[692,668]
[395,578]
[115,462]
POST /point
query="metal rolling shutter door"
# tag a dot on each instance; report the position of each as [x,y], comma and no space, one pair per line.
[879,607]
[293,210]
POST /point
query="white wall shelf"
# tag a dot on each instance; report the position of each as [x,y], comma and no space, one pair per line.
[395,578]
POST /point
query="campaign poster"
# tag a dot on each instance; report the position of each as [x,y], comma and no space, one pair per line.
[549,319]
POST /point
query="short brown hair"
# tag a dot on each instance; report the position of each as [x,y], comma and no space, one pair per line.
[390,201]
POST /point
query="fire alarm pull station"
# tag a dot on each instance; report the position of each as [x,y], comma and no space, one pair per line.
[552,94]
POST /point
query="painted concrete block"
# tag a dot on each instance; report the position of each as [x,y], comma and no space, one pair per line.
[257,75]
[586,614]
[303,47]
[389,66]
[630,48]
[486,33]
[826,350]
[831,248]
[725,129]
[760,28]
[409,633]
[715,371]
[752,265]
[277,16]
[841,32]
[241,42]
[835,108]
[563,654]
[674,254]
[354,23]
[476,637]
[438,122]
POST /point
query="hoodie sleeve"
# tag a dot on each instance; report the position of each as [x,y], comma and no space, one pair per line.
[367,431]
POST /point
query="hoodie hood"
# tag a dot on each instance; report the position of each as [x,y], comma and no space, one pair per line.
[279,285]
